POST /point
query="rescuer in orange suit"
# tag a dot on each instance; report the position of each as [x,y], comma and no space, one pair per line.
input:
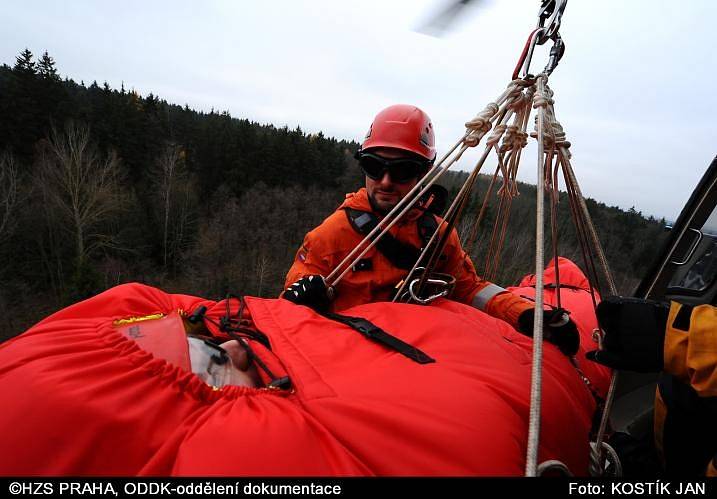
[397,151]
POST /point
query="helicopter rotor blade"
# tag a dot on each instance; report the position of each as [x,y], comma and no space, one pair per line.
[444,18]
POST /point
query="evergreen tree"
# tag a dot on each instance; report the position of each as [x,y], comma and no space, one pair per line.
[24,64]
[46,68]
[21,121]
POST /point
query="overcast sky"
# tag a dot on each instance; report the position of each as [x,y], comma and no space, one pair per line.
[634,92]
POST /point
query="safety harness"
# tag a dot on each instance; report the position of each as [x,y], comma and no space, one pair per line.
[401,254]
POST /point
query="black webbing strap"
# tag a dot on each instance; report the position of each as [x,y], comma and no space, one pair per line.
[427,225]
[562,286]
[401,255]
[375,333]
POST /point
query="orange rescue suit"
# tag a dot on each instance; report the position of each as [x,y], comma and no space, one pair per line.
[329,243]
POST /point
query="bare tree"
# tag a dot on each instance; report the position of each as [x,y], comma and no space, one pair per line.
[169,175]
[263,264]
[185,219]
[82,185]
[167,169]
[8,193]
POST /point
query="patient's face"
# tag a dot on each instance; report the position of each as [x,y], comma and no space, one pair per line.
[241,373]
[236,370]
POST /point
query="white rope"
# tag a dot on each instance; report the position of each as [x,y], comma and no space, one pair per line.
[540,103]
[550,135]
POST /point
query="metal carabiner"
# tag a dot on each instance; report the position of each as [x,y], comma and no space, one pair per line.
[549,17]
[426,301]
[551,13]
[522,69]
[556,53]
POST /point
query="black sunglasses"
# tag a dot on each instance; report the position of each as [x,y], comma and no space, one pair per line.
[401,170]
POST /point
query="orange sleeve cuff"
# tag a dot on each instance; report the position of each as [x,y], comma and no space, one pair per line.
[508,307]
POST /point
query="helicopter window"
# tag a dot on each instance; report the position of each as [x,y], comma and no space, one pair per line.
[710,227]
[702,270]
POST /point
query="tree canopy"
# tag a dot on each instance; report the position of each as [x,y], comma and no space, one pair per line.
[101,186]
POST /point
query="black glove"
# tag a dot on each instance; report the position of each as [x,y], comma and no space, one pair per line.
[634,334]
[310,291]
[558,329]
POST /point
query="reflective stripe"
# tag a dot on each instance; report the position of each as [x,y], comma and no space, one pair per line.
[481,299]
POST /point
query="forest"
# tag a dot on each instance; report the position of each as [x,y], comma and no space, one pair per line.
[102,186]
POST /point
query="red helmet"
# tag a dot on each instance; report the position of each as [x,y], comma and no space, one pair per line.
[402,127]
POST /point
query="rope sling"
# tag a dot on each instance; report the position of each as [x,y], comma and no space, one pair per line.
[503,124]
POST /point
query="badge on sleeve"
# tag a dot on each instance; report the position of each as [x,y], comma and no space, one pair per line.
[301,256]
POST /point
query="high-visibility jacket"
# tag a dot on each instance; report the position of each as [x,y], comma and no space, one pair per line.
[686,398]
[376,279]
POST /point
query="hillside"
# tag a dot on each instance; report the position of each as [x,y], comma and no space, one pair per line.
[100,186]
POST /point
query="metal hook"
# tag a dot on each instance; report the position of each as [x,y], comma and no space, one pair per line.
[556,53]
[551,13]
[549,19]
[522,69]
[426,301]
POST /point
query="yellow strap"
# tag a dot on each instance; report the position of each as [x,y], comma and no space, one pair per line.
[130,320]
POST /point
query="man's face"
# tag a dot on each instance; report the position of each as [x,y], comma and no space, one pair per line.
[383,193]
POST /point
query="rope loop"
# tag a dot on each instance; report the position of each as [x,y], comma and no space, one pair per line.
[612,467]
[522,82]
[555,466]
[508,189]
[516,99]
[513,139]
[473,139]
[480,125]
[541,99]
[543,94]
[509,138]
[494,137]
[553,132]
